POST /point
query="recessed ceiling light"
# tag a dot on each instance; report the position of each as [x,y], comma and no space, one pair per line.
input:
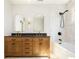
[40,0]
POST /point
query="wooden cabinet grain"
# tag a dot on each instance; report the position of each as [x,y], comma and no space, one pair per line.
[44,46]
[36,47]
[27,46]
[13,46]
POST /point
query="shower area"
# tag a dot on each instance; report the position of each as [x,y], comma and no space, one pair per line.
[65,37]
[66,33]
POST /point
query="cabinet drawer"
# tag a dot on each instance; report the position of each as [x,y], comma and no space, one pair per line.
[10,53]
[27,48]
[13,39]
[19,53]
[27,53]
[27,44]
[27,40]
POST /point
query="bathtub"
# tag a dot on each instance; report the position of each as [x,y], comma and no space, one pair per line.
[68,46]
[62,51]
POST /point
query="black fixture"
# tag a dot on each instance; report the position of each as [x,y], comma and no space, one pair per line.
[59,33]
[61,13]
[60,43]
[60,39]
[62,18]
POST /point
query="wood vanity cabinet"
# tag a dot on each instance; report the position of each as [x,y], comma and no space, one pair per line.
[26,46]
[41,46]
[13,46]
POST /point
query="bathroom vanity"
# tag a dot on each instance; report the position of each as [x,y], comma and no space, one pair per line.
[27,46]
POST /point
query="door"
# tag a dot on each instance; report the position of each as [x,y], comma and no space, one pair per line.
[13,46]
[19,46]
[44,44]
[10,46]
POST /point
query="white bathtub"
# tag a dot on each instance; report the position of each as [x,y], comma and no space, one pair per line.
[62,51]
[68,46]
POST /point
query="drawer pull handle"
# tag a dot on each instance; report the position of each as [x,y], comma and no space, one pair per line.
[40,39]
[13,43]
[40,43]
[13,39]
[28,39]
[27,52]
[27,48]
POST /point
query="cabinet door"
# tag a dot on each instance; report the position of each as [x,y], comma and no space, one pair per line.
[19,47]
[44,44]
[13,46]
[36,48]
[10,46]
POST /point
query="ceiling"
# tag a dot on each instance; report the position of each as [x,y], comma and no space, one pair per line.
[39,1]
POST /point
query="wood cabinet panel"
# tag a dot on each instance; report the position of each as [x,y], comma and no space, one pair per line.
[44,46]
[9,46]
[27,39]
[27,53]
[27,46]
[13,46]
[36,48]
[19,47]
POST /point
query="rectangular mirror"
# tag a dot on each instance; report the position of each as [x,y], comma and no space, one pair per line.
[38,25]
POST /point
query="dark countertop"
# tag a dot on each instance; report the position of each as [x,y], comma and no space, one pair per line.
[28,34]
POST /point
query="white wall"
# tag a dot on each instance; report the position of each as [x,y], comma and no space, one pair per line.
[70,23]
[69,29]
[8,25]
[50,13]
